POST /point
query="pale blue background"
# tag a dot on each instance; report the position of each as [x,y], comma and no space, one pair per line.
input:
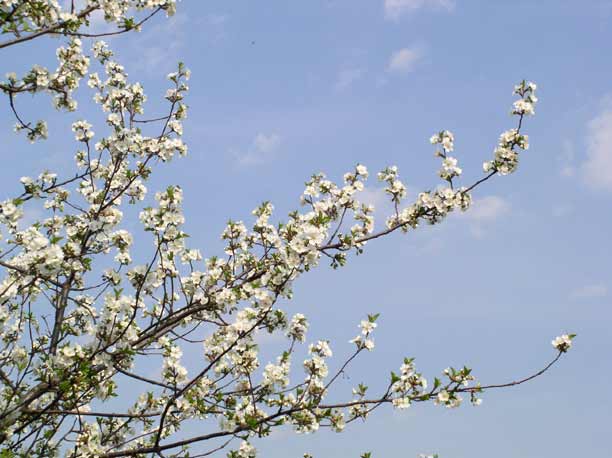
[488,290]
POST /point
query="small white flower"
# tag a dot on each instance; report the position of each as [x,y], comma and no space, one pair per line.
[563,342]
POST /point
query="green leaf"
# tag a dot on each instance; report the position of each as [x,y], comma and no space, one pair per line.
[65,386]
[252,421]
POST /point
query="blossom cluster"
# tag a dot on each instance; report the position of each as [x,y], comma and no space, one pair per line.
[73,66]
[364,340]
[506,158]
[408,385]
[564,342]
[27,20]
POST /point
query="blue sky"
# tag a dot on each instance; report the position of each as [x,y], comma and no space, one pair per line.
[284,89]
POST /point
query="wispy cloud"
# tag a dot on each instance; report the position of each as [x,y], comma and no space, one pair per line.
[483,212]
[561,210]
[394,9]
[379,199]
[347,77]
[155,52]
[215,26]
[487,209]
[404,60]
[162,45]
[590,291]
[217,19]
[566,160]
[596,170]
[263,148]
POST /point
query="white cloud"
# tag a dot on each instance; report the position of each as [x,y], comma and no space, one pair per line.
[263,149]
[597,169]
[347,77]
[266,143]
[404,60]
[372,196]
[378,198]
[485,211]
[394,9]
[590,291]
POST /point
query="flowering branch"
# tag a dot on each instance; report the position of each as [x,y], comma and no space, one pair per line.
[79,316]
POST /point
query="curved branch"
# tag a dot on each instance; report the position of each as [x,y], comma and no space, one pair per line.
[48,30]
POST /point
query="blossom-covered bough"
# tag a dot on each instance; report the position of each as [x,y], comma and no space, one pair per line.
[80,321]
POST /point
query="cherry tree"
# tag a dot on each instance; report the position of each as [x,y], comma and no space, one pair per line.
[78,315]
